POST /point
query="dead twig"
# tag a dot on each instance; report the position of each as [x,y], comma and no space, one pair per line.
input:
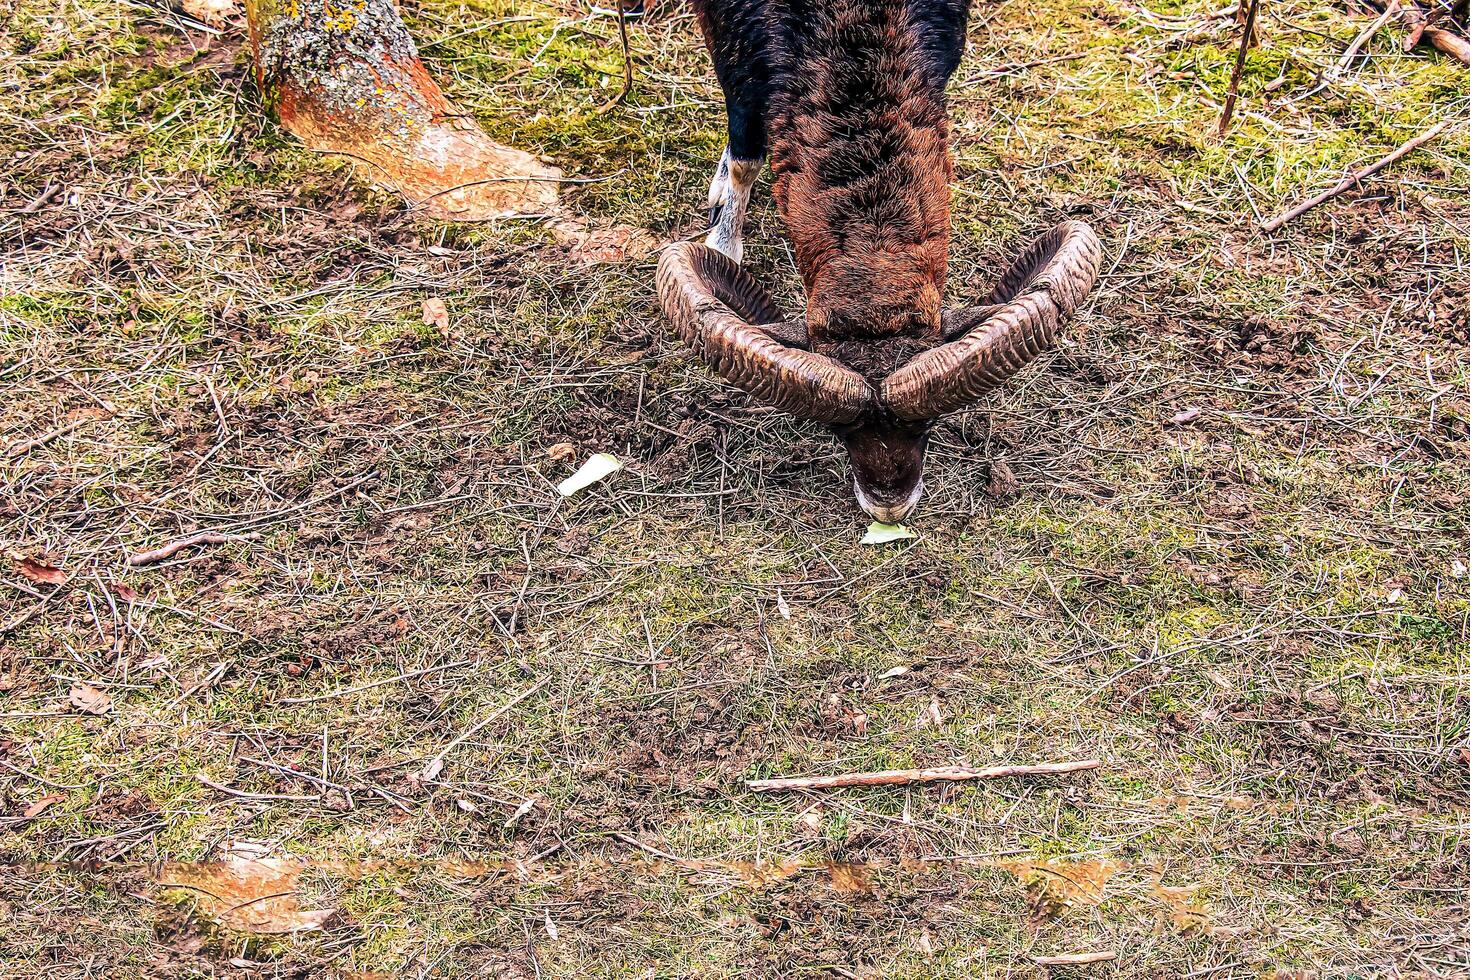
[1352,180]
[242,794]
[627,88]
[907,777]
[19,449]
[436,765]
[1074,959]
[1246,40]
[143,558]
[368,687]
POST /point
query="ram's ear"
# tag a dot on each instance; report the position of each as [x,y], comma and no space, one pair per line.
[735,327]
[1010,329]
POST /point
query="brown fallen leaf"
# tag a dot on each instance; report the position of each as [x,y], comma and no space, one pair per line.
[595,244]
[848,878]
[562,451]
[247,891]
[86,698]
[41,572]
[40,804]
[436,314]
[1465,755]
[1003,483]
[1188,415]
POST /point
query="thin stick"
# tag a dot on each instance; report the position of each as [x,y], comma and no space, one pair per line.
[433,767]
[627,60]
[174,547]
[1245,45]
[1371,32]
[1071,959]
[906,777]
[368,687]
[19,449]
[242,794]
[1353,179]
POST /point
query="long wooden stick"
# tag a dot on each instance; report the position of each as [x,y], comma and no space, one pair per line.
[1352,180]
[905,777]
[174,547]
[1075,959]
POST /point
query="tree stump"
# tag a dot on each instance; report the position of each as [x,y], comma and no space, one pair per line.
[346,78]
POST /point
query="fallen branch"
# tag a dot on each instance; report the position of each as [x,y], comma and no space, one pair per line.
[1353,179]
[1073,959]
[194,540]
[906,777]
[1449,42]
[1248,38]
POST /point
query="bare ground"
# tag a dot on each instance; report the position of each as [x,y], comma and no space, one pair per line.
[1217,540]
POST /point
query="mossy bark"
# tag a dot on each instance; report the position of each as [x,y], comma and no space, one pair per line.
[346,78]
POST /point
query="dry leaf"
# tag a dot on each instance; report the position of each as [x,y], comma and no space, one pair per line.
[1003,483]
[40,572]
[521,811]
[34,810]
[597,468]
[86,698]
[929,715]
[595,245]
[857,719]
[436,314]
[848,878]
[247,891]
[124,592]
[212,12]
[1465,755]
[782,606]
[1188,415]
[562,451]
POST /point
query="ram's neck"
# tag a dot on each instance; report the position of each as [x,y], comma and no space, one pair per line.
[859,148]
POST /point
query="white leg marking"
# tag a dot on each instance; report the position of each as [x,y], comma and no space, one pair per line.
[729,195]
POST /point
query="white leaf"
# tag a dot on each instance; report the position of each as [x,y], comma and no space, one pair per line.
[893,672]
[433,769]
[521,811]
[599,467]
[879,533]
[782,606]
[550,926]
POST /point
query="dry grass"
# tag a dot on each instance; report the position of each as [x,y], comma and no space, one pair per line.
[1233,563]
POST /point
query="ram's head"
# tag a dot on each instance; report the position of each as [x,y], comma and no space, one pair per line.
[735,327]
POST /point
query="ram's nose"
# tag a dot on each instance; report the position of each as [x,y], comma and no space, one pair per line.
[889,512]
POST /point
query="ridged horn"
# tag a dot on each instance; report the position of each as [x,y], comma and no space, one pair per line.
[1014,325]
[735,327]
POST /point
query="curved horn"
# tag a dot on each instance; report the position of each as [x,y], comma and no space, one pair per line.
[718,310]
[1011,328]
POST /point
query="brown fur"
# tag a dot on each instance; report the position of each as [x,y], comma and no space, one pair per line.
[860,153]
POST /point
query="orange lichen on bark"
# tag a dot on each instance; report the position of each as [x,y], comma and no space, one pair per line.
[347,79]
